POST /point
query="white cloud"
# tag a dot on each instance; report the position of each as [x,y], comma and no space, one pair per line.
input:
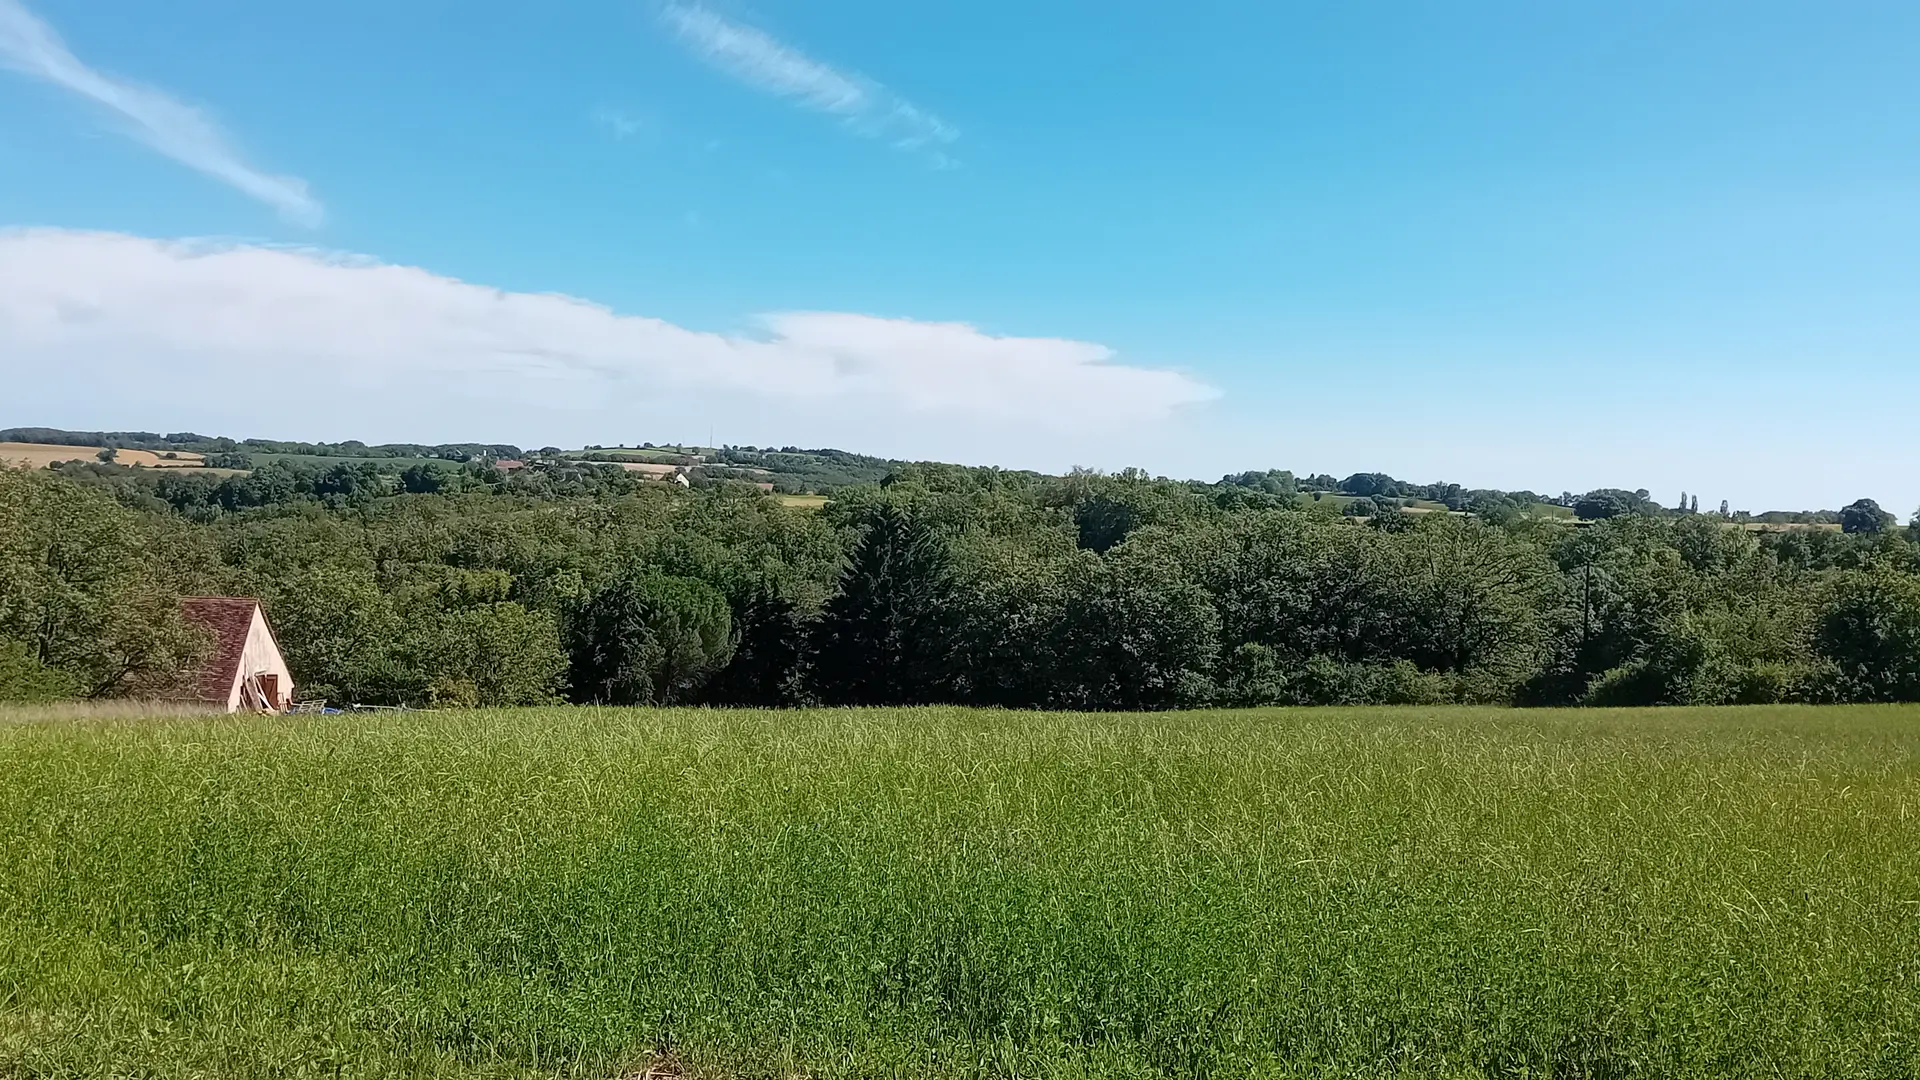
[178,130]
[108,331]
[621,125]
[253,340]
[757,58]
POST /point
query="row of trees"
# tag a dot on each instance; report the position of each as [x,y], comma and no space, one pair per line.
[941,584]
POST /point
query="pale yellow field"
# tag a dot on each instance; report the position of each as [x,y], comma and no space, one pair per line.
[647,468]
[803,502]
[39,455]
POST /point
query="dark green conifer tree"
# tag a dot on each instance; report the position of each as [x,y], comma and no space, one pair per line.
[883,638]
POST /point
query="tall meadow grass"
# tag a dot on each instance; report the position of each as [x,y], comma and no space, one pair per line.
[940,892]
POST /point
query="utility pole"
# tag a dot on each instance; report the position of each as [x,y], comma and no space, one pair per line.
[1586,606]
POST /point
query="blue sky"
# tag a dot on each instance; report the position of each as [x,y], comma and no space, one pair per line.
[1516,244]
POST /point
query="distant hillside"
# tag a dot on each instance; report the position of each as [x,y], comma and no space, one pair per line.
[210,444]
[792,470]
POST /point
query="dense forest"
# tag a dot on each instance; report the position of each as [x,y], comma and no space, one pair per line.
[461,585]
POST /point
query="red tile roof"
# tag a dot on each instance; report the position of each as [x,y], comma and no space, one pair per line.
[228,619]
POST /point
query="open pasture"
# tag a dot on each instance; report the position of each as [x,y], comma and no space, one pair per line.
[943,892]
[323,461]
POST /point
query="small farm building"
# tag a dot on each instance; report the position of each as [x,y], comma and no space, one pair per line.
[244,671]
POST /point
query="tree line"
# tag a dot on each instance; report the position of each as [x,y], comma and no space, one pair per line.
[463,587]
[214,444]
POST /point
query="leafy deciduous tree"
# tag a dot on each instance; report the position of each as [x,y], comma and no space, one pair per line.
[1865,516]
[84,588]
[1869,634]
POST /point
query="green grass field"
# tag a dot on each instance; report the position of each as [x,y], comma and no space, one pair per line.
[659,455]
[321,461]
[1335,893]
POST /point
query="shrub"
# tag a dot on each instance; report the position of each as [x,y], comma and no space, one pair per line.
[25,680]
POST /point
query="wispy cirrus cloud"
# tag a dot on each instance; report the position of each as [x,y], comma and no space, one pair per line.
[618,123]
[762,61]
[178,130]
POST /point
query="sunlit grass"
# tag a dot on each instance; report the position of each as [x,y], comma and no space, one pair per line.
[105,709]
[1449,893]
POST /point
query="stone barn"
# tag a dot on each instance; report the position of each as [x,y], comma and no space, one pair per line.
[244,671]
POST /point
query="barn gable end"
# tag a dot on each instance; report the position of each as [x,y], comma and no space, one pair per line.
[244,670]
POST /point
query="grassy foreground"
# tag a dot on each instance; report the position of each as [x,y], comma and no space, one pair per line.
[1448,893]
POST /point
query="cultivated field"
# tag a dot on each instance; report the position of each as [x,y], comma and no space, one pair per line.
[1353,893]
[40,455]
[649,468]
